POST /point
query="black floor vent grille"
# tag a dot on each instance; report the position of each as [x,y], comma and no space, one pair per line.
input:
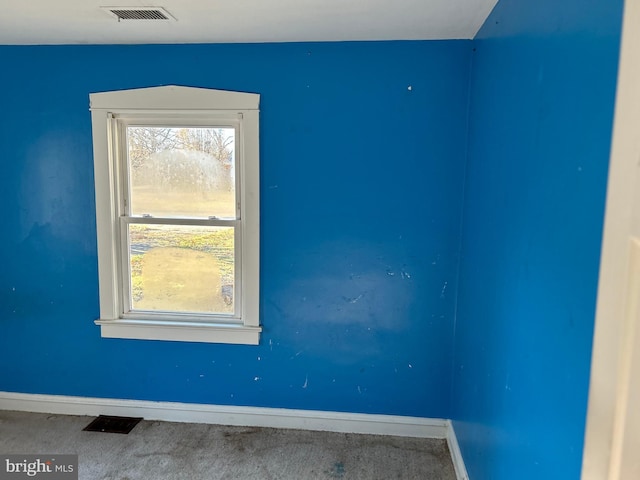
[110,424]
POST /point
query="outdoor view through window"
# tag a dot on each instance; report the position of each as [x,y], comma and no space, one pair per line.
[181,219]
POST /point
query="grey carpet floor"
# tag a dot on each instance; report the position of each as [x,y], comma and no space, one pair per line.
[172,451]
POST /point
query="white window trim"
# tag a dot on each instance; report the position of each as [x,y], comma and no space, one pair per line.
[168,100]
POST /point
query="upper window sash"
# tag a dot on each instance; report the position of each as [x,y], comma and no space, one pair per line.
[118,124]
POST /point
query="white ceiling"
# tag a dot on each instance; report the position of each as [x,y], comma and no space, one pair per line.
[28,22]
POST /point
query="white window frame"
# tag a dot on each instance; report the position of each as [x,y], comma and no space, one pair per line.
[167,104]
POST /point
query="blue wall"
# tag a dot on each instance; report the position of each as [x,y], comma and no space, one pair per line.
[362,183]
[542,90]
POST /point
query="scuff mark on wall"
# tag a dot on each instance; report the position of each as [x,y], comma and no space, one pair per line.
[355,299]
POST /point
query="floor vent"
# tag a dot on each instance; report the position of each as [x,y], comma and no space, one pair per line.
[109,424]
[138,13]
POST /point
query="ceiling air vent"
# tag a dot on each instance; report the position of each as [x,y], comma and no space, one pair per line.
[138,13]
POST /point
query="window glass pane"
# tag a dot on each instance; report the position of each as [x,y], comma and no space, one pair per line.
[182,172]
[182,268]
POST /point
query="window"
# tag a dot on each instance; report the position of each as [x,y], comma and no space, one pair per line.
[177,209]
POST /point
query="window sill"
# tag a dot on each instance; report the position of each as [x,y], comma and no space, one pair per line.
[179,331]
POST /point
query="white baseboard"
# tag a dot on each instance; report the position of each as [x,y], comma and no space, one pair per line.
[243,416]
[229,415]
[456,454]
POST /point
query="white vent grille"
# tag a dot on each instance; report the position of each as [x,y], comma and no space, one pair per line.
[138,13]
